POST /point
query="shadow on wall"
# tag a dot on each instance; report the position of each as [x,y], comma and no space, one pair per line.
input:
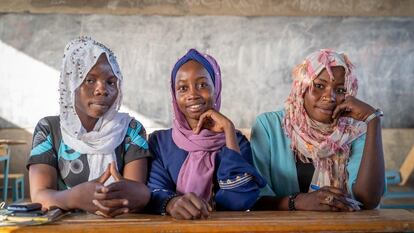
[19,153]
[34,49]
[4,124]
[29,89]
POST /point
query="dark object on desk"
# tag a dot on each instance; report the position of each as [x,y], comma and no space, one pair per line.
[9,218]
[33,213]
[24,207]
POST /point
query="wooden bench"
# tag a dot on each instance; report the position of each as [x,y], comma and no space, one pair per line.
[17,185]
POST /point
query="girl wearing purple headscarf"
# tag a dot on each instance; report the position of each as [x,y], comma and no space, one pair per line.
[202,163]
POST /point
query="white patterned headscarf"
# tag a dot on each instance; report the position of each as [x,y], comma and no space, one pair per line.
[79,57]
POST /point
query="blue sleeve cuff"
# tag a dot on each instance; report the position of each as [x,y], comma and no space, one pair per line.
[238,180]
[234,171]
[159,200]
[237,201]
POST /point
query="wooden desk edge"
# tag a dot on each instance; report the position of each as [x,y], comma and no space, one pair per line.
[266,221]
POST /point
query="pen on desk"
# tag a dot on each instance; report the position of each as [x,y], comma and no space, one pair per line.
[353,201]
[314,187]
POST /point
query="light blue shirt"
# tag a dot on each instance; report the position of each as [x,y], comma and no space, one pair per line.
[274,158]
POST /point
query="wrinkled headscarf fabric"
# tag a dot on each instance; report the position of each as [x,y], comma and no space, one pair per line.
[326,145]
[79,57]
[197,171]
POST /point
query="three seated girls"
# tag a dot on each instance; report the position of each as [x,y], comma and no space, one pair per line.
[322,151]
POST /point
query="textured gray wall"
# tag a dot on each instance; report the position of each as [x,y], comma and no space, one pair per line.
[256,55]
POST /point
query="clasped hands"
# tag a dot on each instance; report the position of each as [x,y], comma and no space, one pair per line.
[119,197]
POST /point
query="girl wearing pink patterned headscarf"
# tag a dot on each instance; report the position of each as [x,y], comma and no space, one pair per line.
[327,142]
[202,163]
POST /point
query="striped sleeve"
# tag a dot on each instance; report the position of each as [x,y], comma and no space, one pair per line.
[136,145]
[42,146]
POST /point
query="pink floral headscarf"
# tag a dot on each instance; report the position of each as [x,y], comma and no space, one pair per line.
[328,146]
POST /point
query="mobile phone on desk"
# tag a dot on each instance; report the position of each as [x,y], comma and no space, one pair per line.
[24,207]
[33,213]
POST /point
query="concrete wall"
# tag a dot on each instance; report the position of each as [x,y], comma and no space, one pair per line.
[256,54]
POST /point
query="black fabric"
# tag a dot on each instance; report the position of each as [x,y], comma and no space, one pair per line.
[305,172]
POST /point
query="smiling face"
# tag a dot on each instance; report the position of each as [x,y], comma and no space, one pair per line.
[325,94]
[194,91]
[97,93]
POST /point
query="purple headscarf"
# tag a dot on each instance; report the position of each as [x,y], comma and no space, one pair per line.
[197,171]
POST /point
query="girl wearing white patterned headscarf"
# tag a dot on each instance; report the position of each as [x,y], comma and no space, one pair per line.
[90,143]
[100,143]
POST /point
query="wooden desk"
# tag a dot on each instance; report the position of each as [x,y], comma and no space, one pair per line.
[386,220]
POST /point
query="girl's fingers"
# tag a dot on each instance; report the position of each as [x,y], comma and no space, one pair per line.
[101,189]
[340,205]
[200,123]
[109,212]
[202,120]
[109,195]
[108,204]
[336,200]
[195,200]
[98,212]
[339,108]
[200,205]
[209,208]
[195,206]
[334,190]
[102,209]
[105,176]
[323,206]
[191,208]
[182,213]
[118,212]
[347,113]
[114,172]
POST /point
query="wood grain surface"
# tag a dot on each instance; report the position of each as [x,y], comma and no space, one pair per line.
[386,220]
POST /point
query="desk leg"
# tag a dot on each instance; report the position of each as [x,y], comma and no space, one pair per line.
[6,176]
